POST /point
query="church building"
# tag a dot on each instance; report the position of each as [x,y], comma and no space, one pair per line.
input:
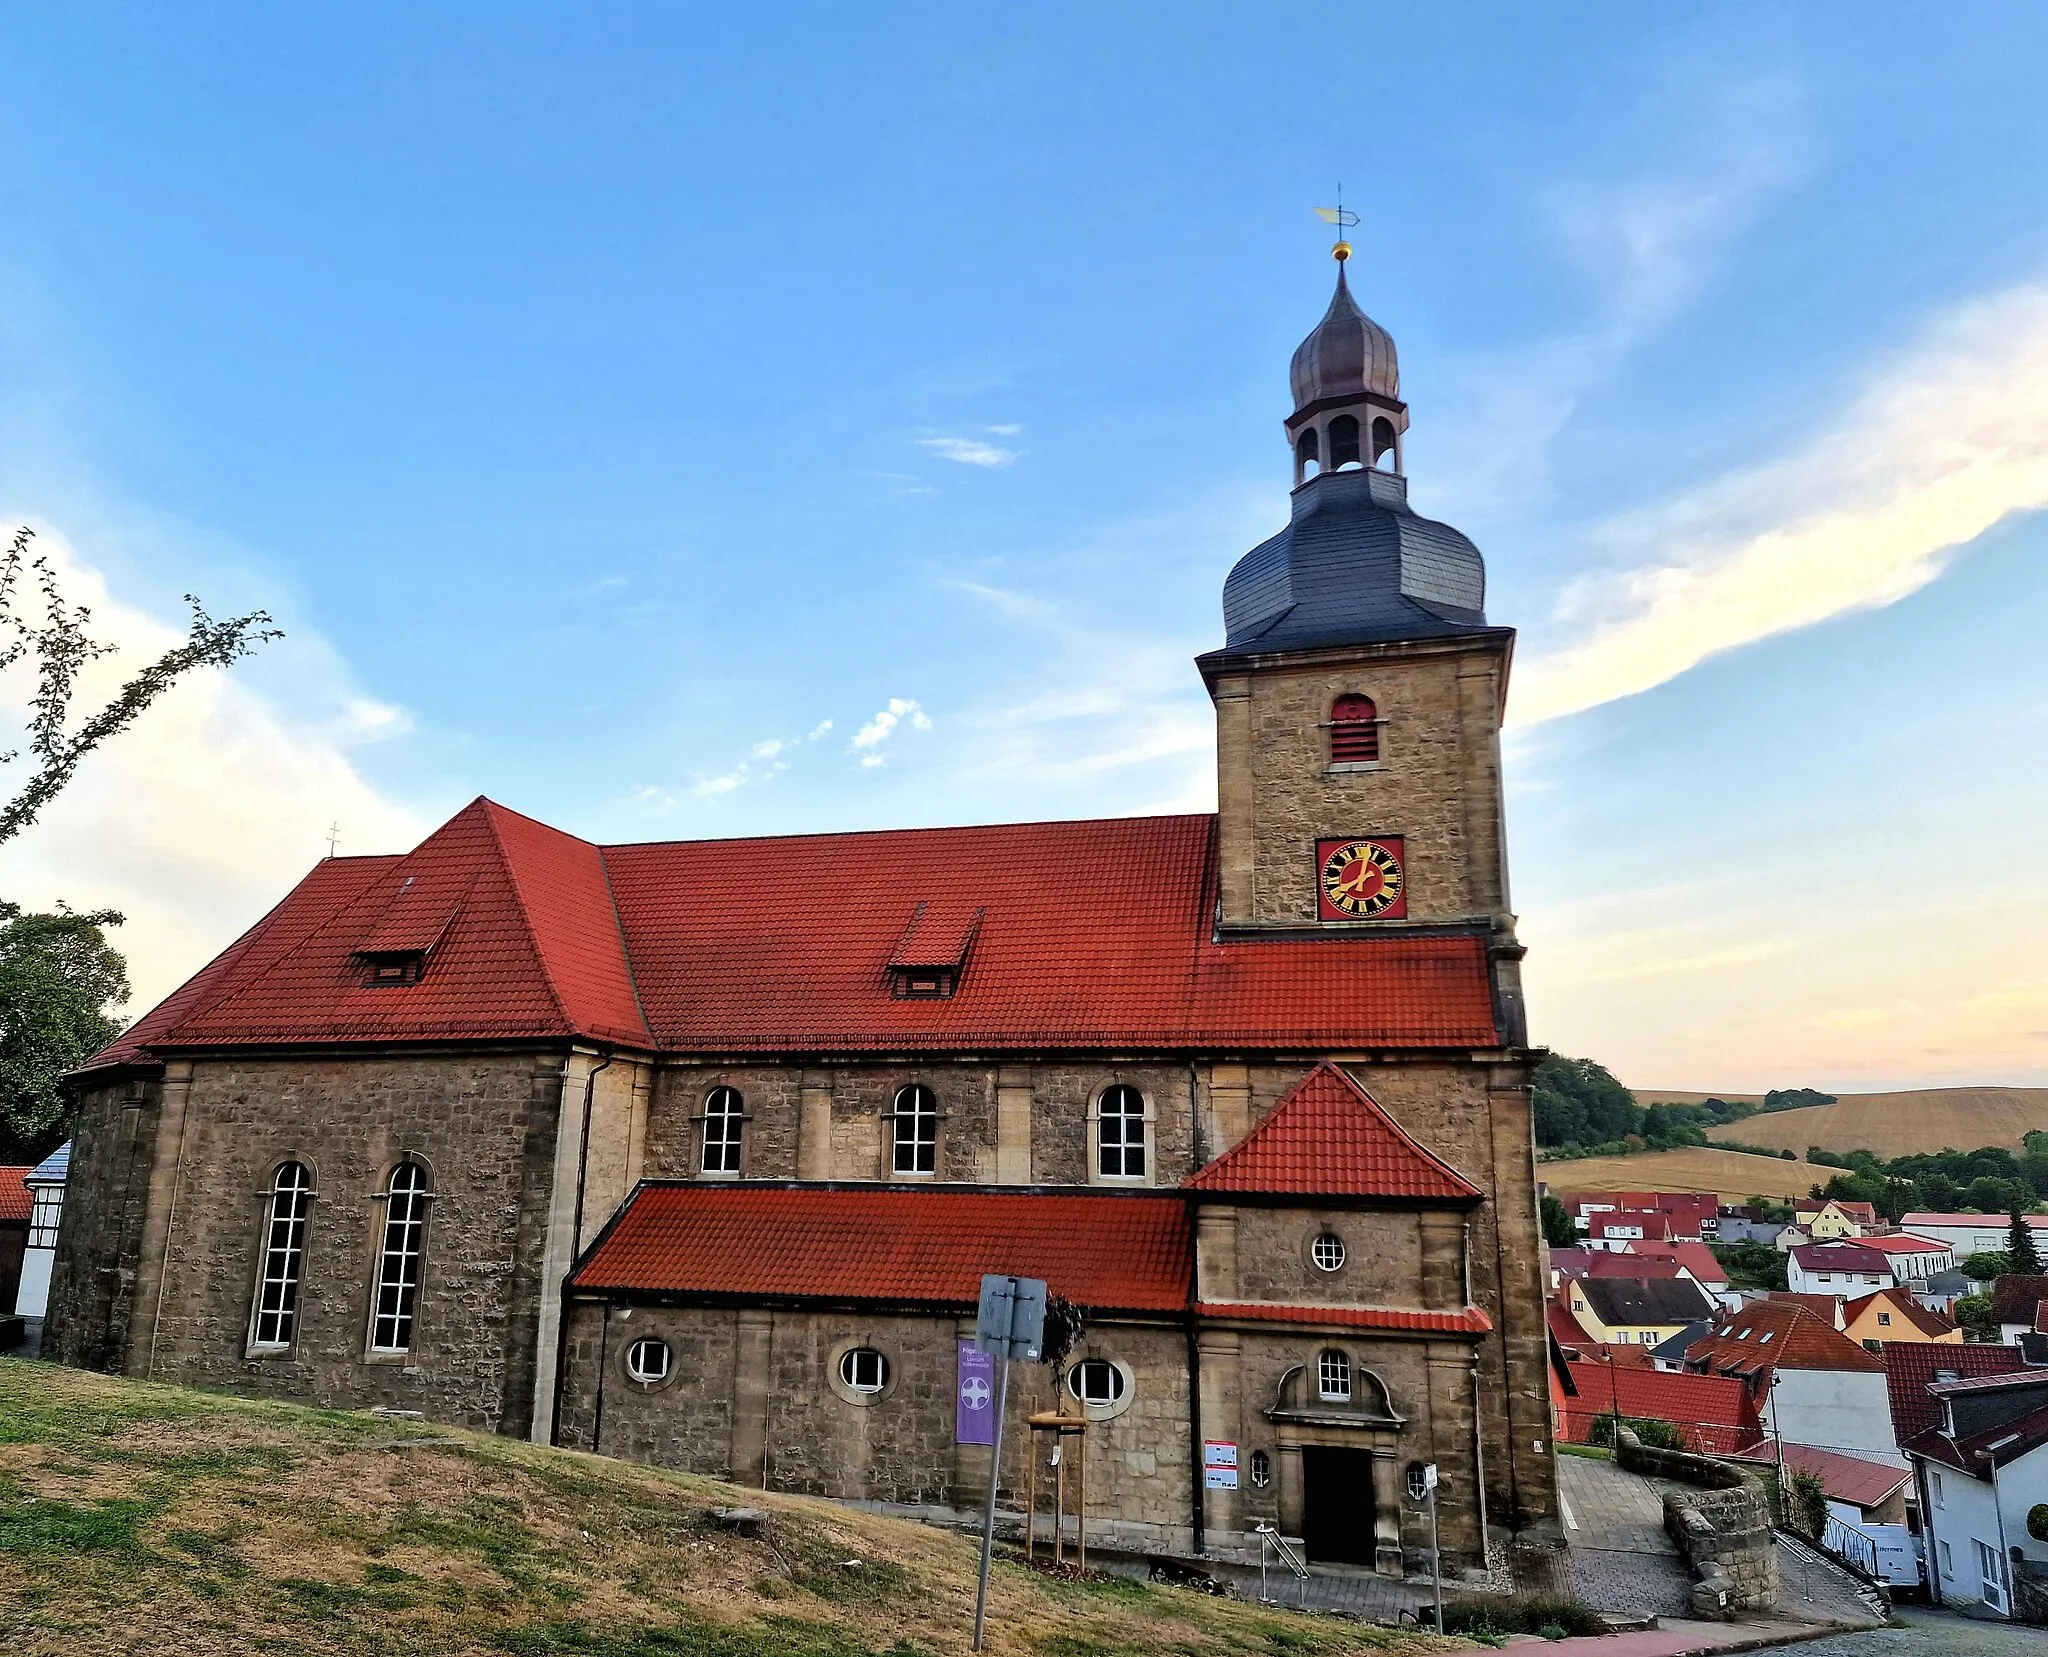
[695,1152]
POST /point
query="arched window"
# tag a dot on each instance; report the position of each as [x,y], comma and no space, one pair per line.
[1354,731]
[398,1259]
[1262,1470]
[1305,453]
[917,1131]
[1333,1377]
[724,1121]
[284,1253]
[1120,1132]
[1343,442]
[1383,443]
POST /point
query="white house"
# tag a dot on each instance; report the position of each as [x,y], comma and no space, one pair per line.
[1970,1234]
[1914,1258]
[1824,1389]
[1849,1269]
[1978,1474]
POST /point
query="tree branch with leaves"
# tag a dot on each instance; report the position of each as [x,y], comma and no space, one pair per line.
[60,646]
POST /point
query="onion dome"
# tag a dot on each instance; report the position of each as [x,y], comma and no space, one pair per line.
[1348,356]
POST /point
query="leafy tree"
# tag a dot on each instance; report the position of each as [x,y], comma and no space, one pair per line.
[1973,1312]
[59,981]
[1795,1098]
[2020,1249]
[1558,1230]
[60,647]
[1751,1265]
[1992,1263]
[1577,1102]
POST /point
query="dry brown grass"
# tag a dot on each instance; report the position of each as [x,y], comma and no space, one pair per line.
[1901,1124]
[145,1519]
[1732,1174]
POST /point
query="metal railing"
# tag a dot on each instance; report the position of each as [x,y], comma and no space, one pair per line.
[1270,1539]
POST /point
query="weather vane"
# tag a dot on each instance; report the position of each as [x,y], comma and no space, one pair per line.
[1343,221]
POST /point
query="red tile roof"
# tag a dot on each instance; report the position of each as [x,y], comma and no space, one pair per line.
[15,1201]
[1848,1479]
[1909,1367]
[1828,1307]
[1989,1447]
[1468,1321]
[1712,1413]
[1090,934]
[900,1244]
[1775,1334]
[1841,1257]
[1565,1329]
[2016,1297]
[1902,1242]
[1601,1263]
[1696,1258]
[1328,1138]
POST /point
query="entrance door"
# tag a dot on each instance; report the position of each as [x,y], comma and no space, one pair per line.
[1336,1505]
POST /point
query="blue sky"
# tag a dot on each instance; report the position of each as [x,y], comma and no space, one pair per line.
[676,421]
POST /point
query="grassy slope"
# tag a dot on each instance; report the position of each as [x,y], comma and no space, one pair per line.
[1733,1174]
[1901,1124]
[150,1519]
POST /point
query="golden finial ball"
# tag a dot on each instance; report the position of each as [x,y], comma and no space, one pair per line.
[1341,252]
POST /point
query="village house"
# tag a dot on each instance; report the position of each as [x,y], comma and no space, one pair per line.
[1636,1311]
[693,1152]
[1817,1386]
[1838,1269]
[1981,1469]
[1833,1219]
[1894,1315]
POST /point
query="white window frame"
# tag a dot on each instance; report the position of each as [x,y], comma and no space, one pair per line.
[281,1261]
[1316,1252]
[724,1137]
[1121,1137]
[853,1360]
[915,1136]
[46,1212]
[1097,1367]
[1261,1469]
[401,1254]
[636,1371]
[1991,1580]
[1333,1370]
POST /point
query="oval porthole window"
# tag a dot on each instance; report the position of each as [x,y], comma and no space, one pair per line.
[1097,1382]
[1327,1251]
[1262,1470]
[648,1360]
[863,1369]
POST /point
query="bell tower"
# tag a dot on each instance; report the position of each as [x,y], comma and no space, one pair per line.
[1359,689]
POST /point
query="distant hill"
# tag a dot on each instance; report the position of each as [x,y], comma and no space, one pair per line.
[1893,1124]
[1733,1174]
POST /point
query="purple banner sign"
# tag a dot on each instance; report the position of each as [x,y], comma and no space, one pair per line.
[974,1413]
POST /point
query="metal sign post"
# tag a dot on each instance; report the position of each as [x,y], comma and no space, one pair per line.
[1421,1487]
[1010,1323]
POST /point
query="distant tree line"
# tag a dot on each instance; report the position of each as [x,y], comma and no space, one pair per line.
[1582,1110]
[1990,1180]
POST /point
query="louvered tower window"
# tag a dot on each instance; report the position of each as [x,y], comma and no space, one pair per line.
[1354,731]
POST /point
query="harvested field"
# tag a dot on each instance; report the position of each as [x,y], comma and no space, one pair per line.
[1733,1174]
[1901,1124]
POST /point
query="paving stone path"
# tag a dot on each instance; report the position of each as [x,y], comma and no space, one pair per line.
[1620,1558]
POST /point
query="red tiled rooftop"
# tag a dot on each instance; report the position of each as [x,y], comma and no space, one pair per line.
[1328,1138]
[2015,1298]
[899,1244]
[1775,1334]
[1910,1365]
[1077,934]
[1469,1320]
[1712,1412]
[1848,1479]
[15,1202]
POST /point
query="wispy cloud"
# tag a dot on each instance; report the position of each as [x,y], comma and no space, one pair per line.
[868,740]
[764,760]
[973,451]
[1647,243]
[1947,438]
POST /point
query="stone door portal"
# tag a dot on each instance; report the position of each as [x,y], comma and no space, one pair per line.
[1337,1505]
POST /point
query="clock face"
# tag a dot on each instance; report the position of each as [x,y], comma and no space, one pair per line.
[1361,880]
